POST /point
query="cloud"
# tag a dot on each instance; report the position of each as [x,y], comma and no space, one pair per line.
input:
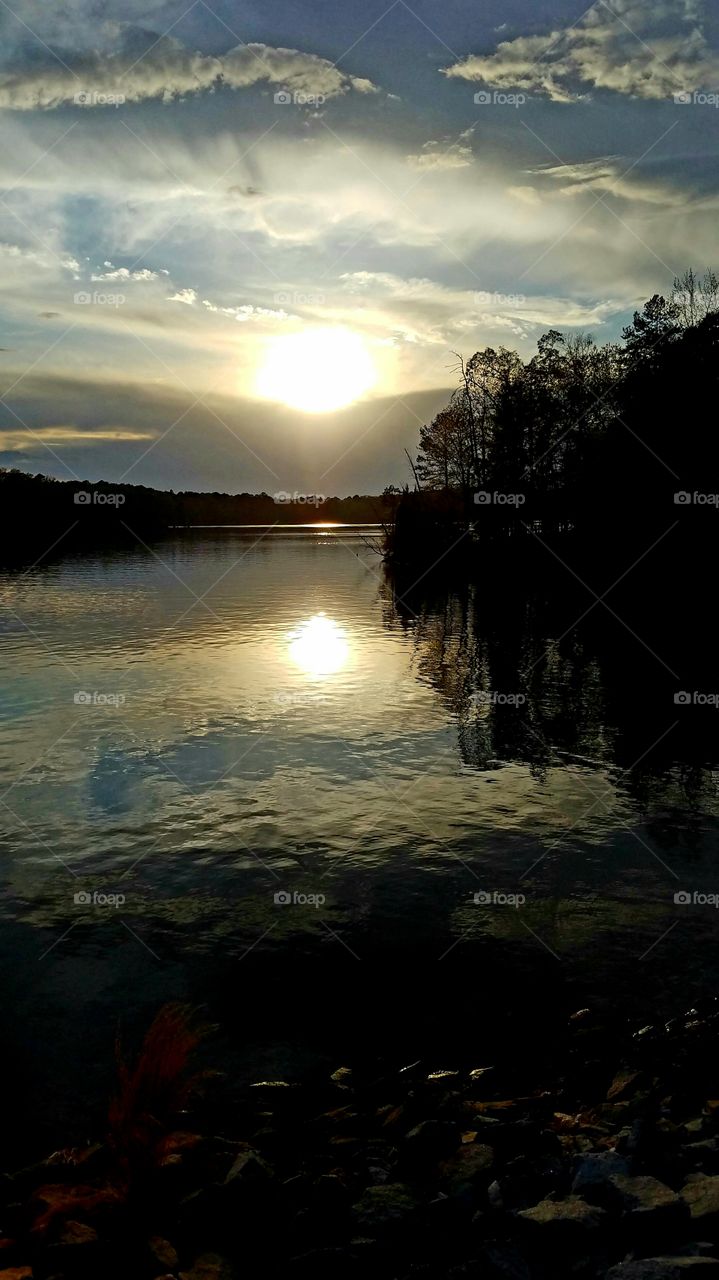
[124,274]
[188,296]
[648,49]
[169,70]
[610,175]
[445,154]
[23,440]
[245,312]
[428,313]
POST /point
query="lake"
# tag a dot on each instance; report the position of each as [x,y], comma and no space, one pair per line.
[247,769]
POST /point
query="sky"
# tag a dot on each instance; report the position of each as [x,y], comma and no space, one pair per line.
[242,245]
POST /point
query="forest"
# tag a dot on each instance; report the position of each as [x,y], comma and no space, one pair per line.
[581,445]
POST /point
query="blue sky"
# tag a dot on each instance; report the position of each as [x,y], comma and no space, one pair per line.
[432,179]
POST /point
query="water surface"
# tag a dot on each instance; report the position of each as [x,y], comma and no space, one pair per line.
[231,718]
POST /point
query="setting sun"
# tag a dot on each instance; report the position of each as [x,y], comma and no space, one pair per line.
[317,370]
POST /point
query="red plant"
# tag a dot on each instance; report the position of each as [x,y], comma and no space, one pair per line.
[153,1091]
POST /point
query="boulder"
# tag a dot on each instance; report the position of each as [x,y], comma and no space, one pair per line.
[429,1141]
[647,1200]
[701,1194]
[593,1170]
[209,1266]
[469,1164]
[383,1209]
[558,1224]
[624,1085]
[163,1253]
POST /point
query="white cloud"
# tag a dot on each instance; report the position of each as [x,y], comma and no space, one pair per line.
[188,296]
[17,440]
[245,312]
[641,48]
[445,154]
[123,273]
[169,70]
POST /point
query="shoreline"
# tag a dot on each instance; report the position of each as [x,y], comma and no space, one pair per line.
[596,1167]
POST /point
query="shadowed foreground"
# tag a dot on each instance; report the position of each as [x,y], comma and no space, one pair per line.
[608,1167]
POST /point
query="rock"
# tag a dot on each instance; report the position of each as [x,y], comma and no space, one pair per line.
[330,1194]
[249,1167]
[163,1253]
[77,1233]
[701,1194]
[503,1262]
[593,1170]
[273,1084]
[494,1195]
[342,1075]
[382,1209]
[561,1224]
[624,1085]
[695,1128]
[209,1266]
[650,1208]
[704,1155]
[324,1264]
[430,1141]
[63,1202]
[666,1269]
[468,1164]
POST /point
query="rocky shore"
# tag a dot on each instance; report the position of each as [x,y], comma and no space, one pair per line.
[610,1168]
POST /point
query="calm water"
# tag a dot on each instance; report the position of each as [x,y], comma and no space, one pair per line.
[204,726]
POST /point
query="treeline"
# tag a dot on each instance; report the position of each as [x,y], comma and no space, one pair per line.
[581,444]
[34,509]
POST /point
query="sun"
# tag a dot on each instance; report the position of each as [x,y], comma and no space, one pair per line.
[317,370]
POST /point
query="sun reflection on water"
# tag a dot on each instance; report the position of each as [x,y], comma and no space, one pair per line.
[319,646]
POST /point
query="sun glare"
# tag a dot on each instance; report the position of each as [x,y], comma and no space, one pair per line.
[319,647]
[317,370]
